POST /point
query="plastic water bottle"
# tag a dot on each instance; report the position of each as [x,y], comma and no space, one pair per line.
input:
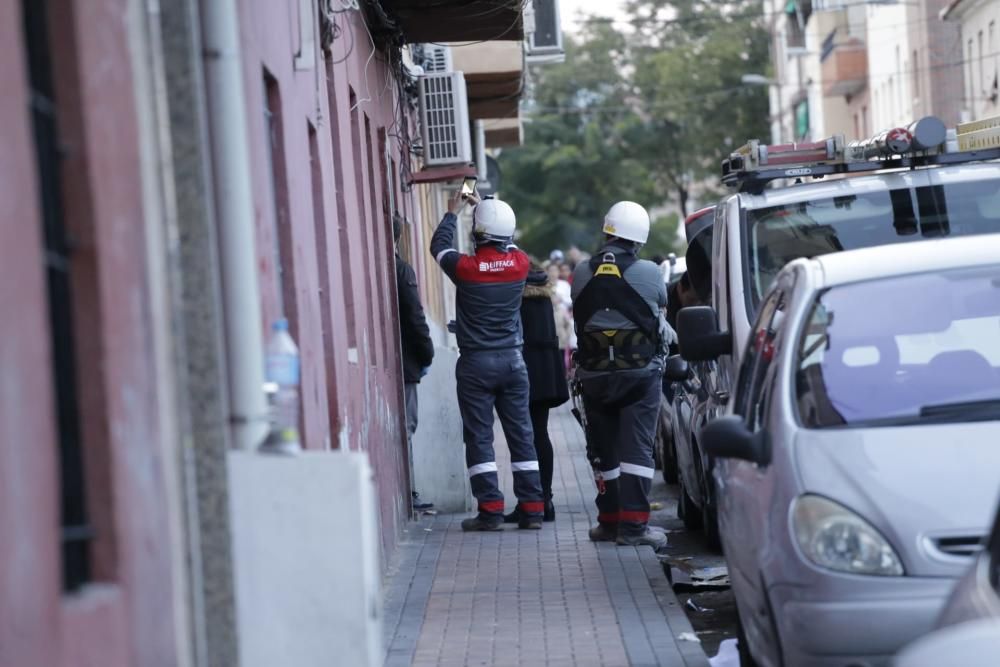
[283,372]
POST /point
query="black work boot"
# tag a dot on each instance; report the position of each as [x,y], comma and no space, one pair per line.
[419,504]
[654,537]
[483,522]
[513,517]
[550,511]
[603,532]
[529,522]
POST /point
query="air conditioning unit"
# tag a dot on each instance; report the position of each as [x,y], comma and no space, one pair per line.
[444,119]
[437,58]
[546,38]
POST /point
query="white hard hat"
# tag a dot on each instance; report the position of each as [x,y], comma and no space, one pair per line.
[627,220]
[493,220]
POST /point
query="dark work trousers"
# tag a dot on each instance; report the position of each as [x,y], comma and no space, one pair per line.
[543,445]
[622,410]
[488,379]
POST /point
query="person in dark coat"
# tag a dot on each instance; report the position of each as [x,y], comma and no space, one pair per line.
[546,374]
[415,337]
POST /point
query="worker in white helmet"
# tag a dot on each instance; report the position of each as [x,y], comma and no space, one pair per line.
[618,302]
[491,372]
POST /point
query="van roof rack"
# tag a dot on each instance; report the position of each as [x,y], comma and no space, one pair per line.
[923,143]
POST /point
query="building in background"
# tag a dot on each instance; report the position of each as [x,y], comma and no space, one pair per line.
[980,47]
[789,86]
[860,67]
[916,64]
[843,56]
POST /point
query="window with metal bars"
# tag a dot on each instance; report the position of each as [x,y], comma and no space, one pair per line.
[76,531]
[274,145]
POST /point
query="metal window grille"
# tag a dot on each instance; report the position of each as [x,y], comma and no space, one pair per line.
[441,119]
[273,150]
[548,33]
[437,58]
[76,532]
[444,119]
[828,45]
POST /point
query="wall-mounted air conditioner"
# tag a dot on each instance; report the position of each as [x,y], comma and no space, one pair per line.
[437,58]
[545,39]
[444,119]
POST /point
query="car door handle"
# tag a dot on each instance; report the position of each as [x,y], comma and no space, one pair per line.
[721,396]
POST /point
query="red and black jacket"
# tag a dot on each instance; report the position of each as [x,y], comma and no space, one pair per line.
[490,284]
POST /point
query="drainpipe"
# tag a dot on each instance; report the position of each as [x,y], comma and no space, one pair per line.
[480,145]
[227,122]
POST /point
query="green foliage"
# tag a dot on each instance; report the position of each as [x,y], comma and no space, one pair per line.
[640,113]
[663,237]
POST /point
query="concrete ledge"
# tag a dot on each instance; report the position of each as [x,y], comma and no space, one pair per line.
[439,472]
[305,545]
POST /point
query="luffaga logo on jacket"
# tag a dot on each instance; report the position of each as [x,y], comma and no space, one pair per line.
[496,265]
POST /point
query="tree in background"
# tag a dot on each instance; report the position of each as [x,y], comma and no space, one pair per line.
[571,166]
[694,109]
[645,112]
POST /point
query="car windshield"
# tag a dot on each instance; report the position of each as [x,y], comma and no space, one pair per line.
[779,234]
[911,349]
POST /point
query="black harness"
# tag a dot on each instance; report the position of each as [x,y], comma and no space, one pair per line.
[616,349]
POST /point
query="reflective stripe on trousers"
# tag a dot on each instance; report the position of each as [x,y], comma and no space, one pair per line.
[622,412]
[497,379]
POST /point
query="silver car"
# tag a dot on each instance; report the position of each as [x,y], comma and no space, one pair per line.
[859,462]
[968,631]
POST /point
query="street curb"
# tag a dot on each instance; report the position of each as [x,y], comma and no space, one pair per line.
[692,651]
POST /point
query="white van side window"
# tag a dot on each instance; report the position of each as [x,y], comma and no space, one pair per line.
[720,270]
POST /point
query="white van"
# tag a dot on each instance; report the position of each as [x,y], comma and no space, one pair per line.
[855,201]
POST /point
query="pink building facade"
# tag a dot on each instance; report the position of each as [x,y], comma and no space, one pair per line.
[116,411]
[86,568]
[326,160]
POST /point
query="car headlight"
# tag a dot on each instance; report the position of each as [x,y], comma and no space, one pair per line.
[834,537]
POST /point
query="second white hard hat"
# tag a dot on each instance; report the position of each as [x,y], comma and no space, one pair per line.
[493,220]
[627,220]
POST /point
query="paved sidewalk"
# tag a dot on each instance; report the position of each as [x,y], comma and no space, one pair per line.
[548,597]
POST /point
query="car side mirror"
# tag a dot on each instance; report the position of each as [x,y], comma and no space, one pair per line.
[698,334]
[730,438]
[676,369]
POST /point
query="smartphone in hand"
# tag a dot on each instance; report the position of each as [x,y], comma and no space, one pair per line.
[469,186]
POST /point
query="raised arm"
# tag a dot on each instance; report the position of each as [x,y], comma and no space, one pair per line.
[443,242]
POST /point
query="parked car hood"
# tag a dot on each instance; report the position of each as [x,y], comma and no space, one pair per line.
[916,484]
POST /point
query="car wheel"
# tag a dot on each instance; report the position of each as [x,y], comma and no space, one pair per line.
[668,455]
[710,526]
[709,515]
[742,647]
[687,511]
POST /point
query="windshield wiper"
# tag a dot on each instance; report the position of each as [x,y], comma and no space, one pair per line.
[942,413]
[967,410]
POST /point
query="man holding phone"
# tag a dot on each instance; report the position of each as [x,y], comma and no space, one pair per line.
[491,371]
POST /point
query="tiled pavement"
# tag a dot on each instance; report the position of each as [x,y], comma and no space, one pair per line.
[548,597]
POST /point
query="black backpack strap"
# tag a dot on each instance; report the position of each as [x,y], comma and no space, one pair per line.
[607,289]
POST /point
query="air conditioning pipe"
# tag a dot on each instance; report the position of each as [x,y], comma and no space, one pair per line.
[227,122]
